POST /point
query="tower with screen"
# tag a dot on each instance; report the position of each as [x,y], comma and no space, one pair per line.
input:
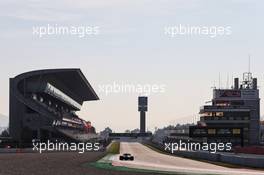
[142,108]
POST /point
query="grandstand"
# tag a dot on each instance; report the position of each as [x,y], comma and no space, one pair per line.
[43,105]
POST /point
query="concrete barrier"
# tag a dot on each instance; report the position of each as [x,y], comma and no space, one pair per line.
[243,159]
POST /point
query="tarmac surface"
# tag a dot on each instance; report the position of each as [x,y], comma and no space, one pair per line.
[146,158]
[55,163]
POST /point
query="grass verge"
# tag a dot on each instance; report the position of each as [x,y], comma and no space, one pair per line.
[114,148]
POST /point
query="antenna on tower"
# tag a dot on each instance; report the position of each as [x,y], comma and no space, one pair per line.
[248,62]
[247,77]
[227,81]
[214,87]
[232,84]
[219,81]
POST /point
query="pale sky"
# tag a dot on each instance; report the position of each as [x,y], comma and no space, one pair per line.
[131,47]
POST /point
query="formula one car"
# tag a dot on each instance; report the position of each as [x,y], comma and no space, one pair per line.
[126,156]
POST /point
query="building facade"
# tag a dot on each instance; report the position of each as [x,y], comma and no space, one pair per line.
[262,132]
[233,116]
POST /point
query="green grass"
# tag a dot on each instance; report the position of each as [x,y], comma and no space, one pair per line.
[114,148]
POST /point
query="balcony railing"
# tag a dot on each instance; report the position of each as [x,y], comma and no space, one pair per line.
[208,108]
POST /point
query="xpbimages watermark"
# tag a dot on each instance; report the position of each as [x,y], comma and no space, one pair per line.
[58,30]
[132,88]
[189,30]
[64,146]
[192,146]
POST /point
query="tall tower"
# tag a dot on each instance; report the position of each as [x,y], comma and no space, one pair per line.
[142,108]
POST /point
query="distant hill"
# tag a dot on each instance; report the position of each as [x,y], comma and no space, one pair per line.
[3,120]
